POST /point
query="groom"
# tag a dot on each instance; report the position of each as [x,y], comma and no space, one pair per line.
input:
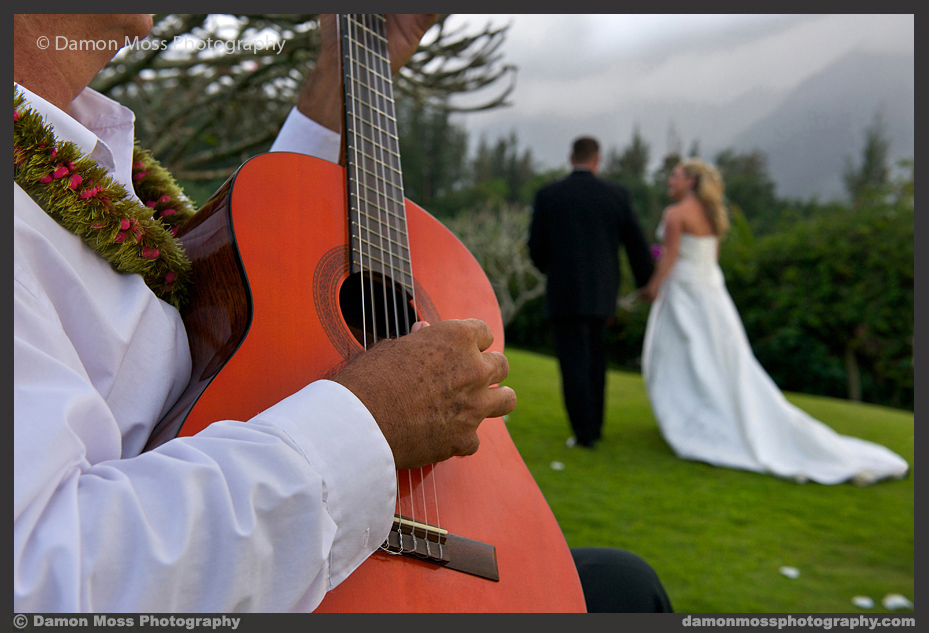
[579,225]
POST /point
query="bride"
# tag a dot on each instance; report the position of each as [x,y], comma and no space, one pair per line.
[712,399]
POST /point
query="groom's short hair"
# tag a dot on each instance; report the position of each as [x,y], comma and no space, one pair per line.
[585,148]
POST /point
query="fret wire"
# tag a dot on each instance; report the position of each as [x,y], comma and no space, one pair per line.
[381,22]
[386,171]
[387,199]
[371,51]
[375,110]
[361,135]
[376,179]
[367,76]
[375,71]
[380,146]
[376,172]
[367,79]
[382,108]
[350,106]
[402,262]
[401,275]
[384,199]
[390,214]
[375,116]
[402,272]
[352,20]
[371,110]
[400,246]
[373,158]
[397,223]
[390,131]
[383,95]
[400,282]
[366,110]
[368,29]
[373,137]
[383,251]
[374,78]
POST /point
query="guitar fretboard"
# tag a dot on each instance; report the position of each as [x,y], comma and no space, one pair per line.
[377,217]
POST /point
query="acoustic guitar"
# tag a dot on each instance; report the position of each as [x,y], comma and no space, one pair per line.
[299,266]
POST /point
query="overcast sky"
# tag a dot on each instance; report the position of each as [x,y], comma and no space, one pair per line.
[578,68]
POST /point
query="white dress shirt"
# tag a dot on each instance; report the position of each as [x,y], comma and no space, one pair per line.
[266,515]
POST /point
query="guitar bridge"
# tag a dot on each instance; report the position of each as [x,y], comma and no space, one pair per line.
[437,546]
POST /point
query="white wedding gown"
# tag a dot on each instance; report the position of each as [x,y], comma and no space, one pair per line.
[715,403]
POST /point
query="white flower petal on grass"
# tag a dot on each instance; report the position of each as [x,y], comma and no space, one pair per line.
[894,601]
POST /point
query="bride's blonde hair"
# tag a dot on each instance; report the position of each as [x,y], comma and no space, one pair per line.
[710,190]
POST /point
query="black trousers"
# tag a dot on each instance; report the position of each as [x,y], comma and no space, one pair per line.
[616,581]
[582,357]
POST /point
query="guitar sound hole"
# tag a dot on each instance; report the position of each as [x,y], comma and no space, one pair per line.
[375,308]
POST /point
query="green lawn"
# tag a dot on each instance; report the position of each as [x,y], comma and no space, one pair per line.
[717,537]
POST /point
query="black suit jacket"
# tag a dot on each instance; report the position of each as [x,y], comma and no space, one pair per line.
[579,225]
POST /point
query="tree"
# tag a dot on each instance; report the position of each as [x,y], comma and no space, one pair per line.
[632,162]
[694,149]
[497,237]
[205,103]
[660,177]
[750,186]
[873,170]
[828,302]
[502,173]
[630,169]
[433,153]
[674,143]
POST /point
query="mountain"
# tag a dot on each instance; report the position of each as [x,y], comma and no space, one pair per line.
[822,123]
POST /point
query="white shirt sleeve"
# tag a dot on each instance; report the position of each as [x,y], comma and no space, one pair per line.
[241,517]
[266,515]
[303,135]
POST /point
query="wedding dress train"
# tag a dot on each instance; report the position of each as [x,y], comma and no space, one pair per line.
[715,403]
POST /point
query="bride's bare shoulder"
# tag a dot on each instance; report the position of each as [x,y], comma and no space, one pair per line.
[677,214]
[673,212]
[689,215]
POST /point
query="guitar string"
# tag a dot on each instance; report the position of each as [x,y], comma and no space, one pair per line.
[352,146]
[361,104]
[386,93]
[390,124]
[372,33]
[433,475]
[389,129]
[379,87]
[368,111]
[352,29]
[364,204]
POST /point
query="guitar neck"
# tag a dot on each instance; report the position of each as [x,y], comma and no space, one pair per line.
[377,216]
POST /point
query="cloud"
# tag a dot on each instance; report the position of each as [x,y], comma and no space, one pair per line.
[578,68]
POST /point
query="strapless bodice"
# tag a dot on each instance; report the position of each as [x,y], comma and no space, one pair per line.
[700,249]
[696,258]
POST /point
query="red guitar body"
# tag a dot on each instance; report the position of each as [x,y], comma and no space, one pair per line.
[281,222]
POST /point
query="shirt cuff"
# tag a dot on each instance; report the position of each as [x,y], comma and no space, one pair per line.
[302,135]
[342,441]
